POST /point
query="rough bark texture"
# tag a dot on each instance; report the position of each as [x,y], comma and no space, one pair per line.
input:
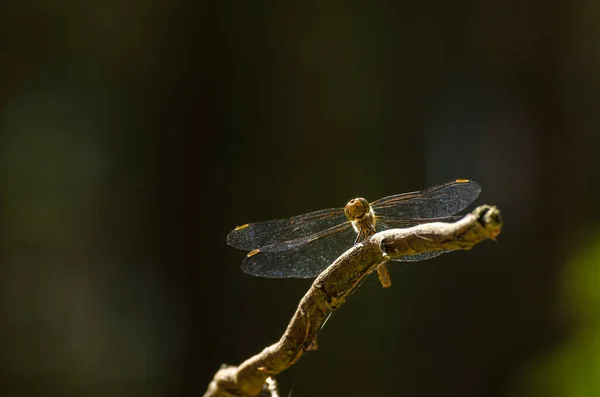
[329,291]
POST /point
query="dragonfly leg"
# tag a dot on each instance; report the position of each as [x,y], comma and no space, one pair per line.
[364,233]
[384,275]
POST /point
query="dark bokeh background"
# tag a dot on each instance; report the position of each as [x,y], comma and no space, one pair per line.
[135,135]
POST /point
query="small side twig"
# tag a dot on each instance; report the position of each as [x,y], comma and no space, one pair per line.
[329,291]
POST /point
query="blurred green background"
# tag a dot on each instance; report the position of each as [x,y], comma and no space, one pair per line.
[135,135]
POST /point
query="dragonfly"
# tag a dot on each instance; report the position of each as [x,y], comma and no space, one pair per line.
[303,246]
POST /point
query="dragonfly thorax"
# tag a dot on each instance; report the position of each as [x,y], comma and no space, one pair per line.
[359,212]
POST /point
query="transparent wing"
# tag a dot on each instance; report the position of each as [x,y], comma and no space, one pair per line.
[300,241]
[392,222]
[389,222]
[435,202]
[270,233]
[396,222]
[420,204]
[302,261]
[385,223]
[421,257]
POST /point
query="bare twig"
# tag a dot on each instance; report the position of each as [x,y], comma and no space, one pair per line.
[329,291]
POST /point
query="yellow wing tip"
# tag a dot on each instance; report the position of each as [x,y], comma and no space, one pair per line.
[241,227]
[462,180]
[252,253]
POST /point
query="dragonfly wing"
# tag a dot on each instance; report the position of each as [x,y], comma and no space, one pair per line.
[384,223]
[394,222]
[435,202]
[269,233]
[421,257]
[287,245]
[301,261]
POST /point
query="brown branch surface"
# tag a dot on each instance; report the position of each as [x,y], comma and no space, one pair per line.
[329,291]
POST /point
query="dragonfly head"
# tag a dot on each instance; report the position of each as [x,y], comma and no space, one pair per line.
[357,209]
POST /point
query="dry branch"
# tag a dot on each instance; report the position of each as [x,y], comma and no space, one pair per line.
[329,291]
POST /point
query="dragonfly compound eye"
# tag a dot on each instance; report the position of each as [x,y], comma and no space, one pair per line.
[356,208]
